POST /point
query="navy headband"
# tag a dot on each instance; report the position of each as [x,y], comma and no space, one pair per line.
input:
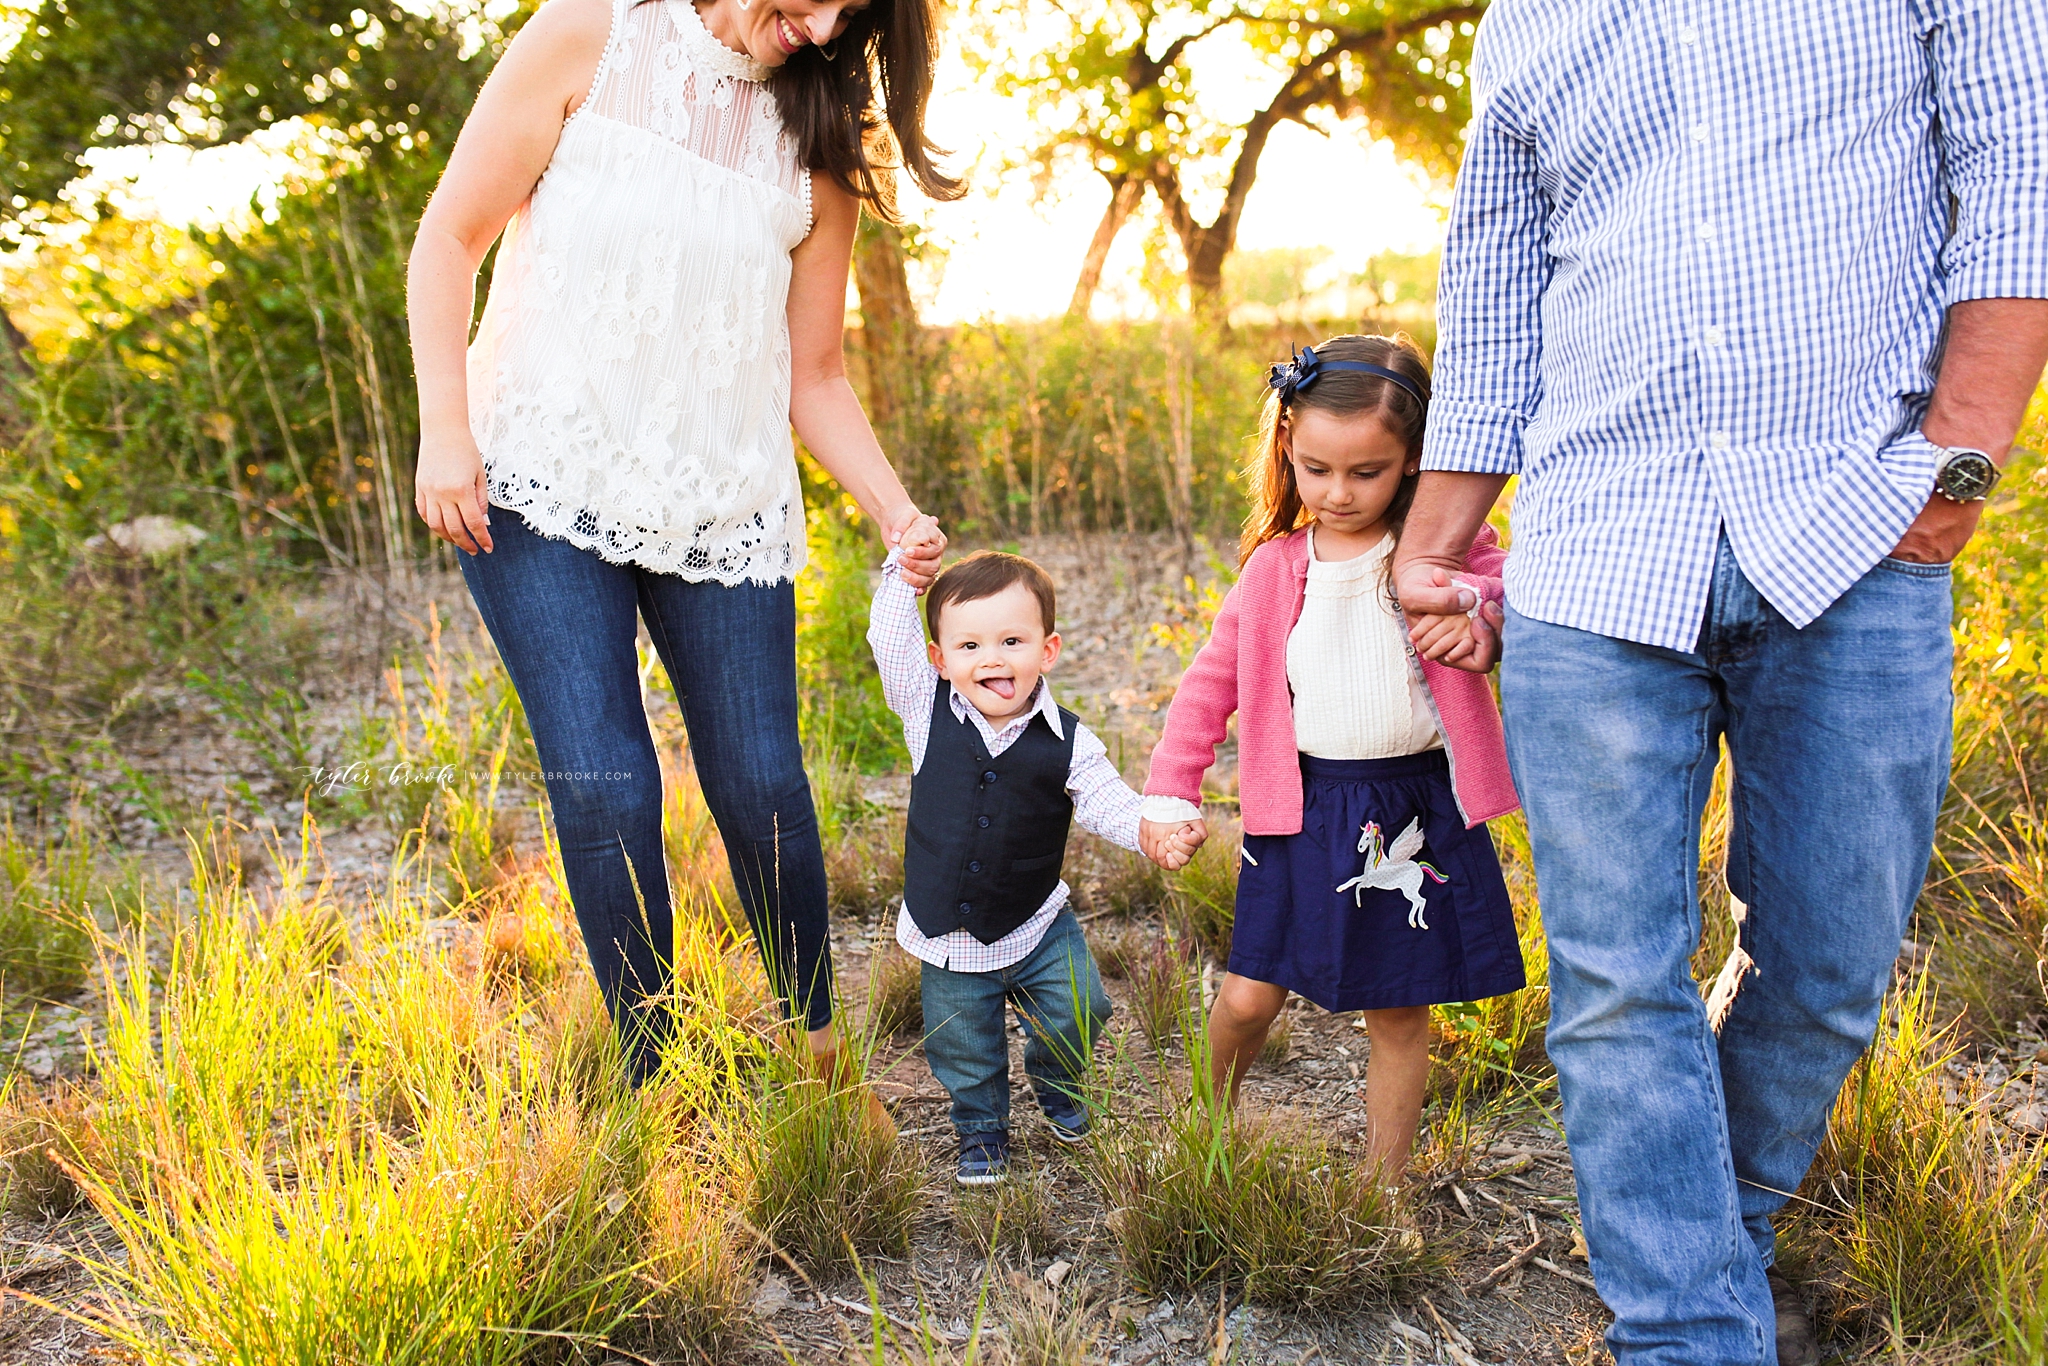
[1299,371]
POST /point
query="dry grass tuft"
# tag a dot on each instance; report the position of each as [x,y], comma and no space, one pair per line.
[1259,1202]
[44,1138]
[1015,1214]
[1162,987]
[1118,947]
[1046,1325]
[895,993]
[1202,901]
[821,1185]
[1915,1219]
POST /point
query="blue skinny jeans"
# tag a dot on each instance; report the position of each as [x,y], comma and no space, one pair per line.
[564,621]
[1685,1144]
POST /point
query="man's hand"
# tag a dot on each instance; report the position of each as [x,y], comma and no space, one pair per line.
[1171,844]
[918,537]
[1940,532]
[1448,511]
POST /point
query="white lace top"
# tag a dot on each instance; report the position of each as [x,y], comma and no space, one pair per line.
[629,382]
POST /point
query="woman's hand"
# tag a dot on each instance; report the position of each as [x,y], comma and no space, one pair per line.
[921,542]
[449,491]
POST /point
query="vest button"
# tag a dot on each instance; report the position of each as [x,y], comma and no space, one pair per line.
[981,821]
[967,908]
[974,866]
[989,776]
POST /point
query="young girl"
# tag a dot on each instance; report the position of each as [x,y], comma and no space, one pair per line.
[1366,774]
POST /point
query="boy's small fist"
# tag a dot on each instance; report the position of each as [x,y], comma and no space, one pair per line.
[921,532]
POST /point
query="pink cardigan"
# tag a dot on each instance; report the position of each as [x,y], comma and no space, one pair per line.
[1243,669]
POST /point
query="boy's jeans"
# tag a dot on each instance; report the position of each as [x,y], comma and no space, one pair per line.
[1059,997]
[1685,1145]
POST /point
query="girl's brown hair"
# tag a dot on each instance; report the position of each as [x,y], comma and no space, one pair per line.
[828,104]
[1276,503]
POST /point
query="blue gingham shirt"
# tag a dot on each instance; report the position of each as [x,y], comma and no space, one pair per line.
[1696,275]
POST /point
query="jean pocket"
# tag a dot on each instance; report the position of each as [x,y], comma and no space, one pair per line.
[1912,569]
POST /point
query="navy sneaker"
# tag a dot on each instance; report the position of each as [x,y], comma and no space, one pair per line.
[1068,1119]
[984,1159]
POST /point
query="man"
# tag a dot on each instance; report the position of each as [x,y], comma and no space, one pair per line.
[1751,297]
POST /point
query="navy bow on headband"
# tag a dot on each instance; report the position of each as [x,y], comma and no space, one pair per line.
[1299,371]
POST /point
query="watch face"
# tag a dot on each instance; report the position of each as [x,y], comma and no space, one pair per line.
[1967,475]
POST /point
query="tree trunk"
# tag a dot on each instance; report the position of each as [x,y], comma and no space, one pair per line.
[1124,192]
[17,367]
[889,328]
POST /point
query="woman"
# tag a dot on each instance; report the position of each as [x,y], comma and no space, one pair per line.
[682,185]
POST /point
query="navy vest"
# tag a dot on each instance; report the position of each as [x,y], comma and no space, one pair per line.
[987,835]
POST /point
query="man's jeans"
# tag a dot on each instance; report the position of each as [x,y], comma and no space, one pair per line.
[1059,997]
[564,622]
[1685,1146]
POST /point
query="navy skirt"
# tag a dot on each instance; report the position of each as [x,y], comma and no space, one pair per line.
[1419,917]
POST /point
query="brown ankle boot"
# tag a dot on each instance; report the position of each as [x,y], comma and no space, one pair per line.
[835,1069]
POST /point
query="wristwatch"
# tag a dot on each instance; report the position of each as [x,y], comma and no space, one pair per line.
[1965,475]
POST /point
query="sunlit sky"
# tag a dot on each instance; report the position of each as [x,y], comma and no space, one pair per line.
[1006,250]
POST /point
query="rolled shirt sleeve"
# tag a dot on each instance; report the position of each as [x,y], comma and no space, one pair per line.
[1990,62]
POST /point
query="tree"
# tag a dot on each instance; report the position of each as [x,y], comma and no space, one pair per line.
[1114,86]
[104,73]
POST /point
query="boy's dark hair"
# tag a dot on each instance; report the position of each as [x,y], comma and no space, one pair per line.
[984,574]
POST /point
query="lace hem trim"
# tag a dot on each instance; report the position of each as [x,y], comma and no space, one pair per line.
[764,563]
[706,52]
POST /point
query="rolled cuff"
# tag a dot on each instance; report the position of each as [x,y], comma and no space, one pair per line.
[2012,265]
[1473,438]
[1163,810]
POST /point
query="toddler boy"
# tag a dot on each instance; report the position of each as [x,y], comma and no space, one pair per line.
[998,771]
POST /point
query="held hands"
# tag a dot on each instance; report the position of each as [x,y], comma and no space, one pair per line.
[449,493]
[918,537]
[1171,844]
[1438,623]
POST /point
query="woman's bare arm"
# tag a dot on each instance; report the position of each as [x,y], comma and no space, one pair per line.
[504,147]
[822,405]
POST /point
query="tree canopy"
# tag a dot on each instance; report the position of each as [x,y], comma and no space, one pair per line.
[89,74]
[1111,82]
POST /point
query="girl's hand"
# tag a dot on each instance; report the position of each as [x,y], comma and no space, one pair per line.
[1439,638]
[919,538]
[449,492]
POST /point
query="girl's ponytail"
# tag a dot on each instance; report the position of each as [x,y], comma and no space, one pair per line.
[1400,400]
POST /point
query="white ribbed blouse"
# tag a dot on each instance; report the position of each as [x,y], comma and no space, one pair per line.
[1355,696]
[629,382]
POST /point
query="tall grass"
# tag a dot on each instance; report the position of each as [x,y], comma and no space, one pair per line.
[1917,1217]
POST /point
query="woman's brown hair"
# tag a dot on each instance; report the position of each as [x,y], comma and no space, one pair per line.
[1276,503]
[828,104]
